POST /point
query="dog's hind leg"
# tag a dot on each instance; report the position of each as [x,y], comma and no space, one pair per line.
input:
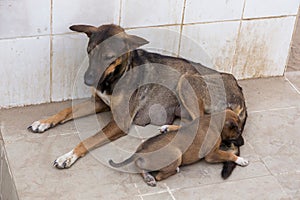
[85,108]
[109,133]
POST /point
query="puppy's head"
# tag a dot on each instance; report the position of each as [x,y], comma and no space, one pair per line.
[108,47]
[231,130]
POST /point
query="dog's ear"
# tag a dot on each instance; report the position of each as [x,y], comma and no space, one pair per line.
[135,41]
[87,29]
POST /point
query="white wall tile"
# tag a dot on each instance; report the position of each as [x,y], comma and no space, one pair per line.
[212,10]
[263,47]
[24,18]
[24,71]
[149,13]
[267,8]
[69,65]
[93,12]
[163,40]
[210,44]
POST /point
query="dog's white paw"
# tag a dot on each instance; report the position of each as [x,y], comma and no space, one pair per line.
[242,162]
[164,129]
[39,127]
[177,169]
[66,160]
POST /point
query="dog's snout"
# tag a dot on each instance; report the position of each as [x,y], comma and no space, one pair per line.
[89,79]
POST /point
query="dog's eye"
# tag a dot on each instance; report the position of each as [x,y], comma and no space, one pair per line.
[109,56]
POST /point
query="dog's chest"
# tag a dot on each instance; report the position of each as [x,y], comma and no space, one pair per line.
[104,96]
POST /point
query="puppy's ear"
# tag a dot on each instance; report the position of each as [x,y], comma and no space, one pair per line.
[135,41]
[87,29]
[238,110]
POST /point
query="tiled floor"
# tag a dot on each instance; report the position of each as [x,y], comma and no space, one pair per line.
[272,146]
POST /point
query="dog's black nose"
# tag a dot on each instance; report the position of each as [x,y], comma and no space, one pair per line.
[89,79]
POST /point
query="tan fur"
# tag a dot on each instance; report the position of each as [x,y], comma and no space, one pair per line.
[113,66]
[132,58]
[172,148]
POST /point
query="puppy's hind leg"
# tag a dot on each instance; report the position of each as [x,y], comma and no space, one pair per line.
[149,179]
[169,170]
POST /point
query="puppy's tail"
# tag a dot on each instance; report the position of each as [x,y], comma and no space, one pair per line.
[228,168]
[123,163]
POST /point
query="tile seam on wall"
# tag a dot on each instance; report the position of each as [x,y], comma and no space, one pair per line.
[181,28]
[209,22]
[120,12]
[291,42]
[237,38]
[154,26]
[268,17]
[42,35]
[51,50]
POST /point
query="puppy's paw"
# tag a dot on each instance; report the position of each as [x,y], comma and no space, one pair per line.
[150,180]
[39,127]
[242,162]
[164,129]
[66,160]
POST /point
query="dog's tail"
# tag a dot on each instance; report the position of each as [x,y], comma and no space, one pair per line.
[123,163]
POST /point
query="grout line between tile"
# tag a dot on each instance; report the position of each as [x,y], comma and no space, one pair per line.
[235,55]
[209,184]
[291,42]
[181,28]
[293,86]
[140,194]
[158,192]
[268,17]
[273,109]
[169,191]
[120,12]
[274,176]
[51,50]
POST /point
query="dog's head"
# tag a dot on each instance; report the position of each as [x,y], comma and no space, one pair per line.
[108,48]
[231,130]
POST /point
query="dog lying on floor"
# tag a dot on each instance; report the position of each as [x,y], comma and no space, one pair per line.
[113,55]
[164,153]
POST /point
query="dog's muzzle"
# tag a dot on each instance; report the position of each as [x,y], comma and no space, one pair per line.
[89,79]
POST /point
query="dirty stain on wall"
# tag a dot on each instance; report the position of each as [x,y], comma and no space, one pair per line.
[41,58]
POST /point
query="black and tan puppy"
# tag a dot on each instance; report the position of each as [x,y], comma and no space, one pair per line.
[166,152]
[114,57]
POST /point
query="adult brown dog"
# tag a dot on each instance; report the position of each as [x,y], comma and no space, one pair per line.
[164,153]
[112,55]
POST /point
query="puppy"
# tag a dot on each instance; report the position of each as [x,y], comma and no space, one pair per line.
[164,153]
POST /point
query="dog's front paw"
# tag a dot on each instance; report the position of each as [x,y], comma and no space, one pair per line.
[150,180]
[164,129]
[39,127]
[66,160]
[242,162]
